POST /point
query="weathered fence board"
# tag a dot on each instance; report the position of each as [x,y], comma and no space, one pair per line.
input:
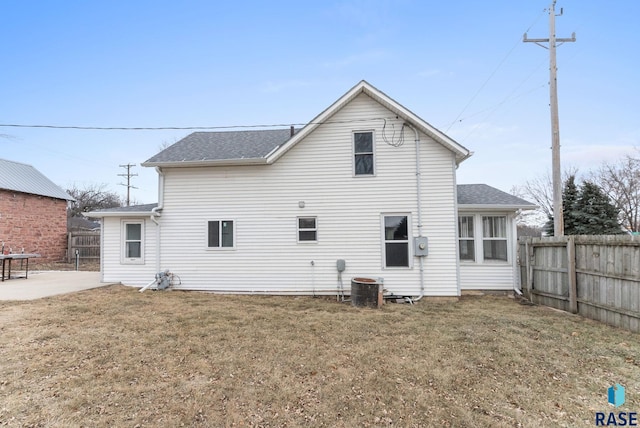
[597,277]
[86,243]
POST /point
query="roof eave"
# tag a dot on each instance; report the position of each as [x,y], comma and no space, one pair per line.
[494,207]
[212,162]
[101,214]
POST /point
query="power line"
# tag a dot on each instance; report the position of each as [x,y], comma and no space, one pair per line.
[128,174]
[491,75]
[141,128]
[179,128]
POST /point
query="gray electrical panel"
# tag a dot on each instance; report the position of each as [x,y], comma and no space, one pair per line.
[341,265]
[420,246]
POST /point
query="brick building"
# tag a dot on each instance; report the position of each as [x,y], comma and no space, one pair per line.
[33,212]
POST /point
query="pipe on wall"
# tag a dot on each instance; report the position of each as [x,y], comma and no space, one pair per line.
[419,202]
[155,213]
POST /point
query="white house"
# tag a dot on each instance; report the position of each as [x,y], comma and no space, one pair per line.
[273,211]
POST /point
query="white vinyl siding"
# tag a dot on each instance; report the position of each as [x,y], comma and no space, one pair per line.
[113,270]
[264,200]
[486,273]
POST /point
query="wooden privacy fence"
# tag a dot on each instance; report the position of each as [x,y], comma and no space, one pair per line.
[597,277]
[87,244]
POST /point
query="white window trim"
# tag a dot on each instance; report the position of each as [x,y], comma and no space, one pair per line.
[123,247]
[506,238]
[383,240]
[298,229]
[478,238]
[475,236]
[353,152]
[220,248]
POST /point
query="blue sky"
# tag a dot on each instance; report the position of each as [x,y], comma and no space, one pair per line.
[460,65]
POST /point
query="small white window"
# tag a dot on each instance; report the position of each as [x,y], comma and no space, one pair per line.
[363,153]
[494,238]
[133,243]
[307,229]
[220,234]
[466,243]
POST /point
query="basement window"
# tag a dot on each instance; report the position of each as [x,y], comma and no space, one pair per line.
[220,234]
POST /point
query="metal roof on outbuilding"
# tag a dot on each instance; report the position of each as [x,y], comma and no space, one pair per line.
[20,177]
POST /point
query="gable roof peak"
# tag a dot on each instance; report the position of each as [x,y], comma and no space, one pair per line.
[254,147]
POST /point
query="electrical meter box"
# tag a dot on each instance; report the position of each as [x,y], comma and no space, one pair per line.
[341,265]
[420,246]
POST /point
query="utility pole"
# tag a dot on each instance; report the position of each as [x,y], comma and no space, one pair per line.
[128,185]
[558,221]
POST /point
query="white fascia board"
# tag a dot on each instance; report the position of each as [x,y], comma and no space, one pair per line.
[489,207]
[101,214]
[460,151]
[315,122]
[213,162]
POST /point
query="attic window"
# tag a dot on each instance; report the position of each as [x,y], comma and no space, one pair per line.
[363,153]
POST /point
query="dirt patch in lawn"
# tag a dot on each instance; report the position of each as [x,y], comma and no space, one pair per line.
[116,357]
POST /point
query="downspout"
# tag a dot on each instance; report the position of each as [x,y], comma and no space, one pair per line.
[419,202]
[155,213]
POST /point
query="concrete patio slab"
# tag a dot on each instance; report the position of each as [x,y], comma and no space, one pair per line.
[45,284]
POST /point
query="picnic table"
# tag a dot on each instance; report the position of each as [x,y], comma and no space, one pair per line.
[6,263]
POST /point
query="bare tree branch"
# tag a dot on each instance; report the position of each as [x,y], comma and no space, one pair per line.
[621,182]
[92,197]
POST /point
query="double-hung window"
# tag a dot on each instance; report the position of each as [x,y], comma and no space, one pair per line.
[494,237]
[466,244]
[396,241]
[363,153]
[220,234]
[133,244]
[307,229]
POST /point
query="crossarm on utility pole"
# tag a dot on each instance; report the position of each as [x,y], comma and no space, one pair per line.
[558,220]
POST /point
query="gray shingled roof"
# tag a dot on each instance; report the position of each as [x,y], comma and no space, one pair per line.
[20,177]
[131,209]
[228,145]
[482,194]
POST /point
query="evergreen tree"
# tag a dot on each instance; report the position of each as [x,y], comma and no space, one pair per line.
[586,211]
[594,213]
[569,198]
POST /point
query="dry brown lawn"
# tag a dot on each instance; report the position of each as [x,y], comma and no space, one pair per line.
[115,357]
